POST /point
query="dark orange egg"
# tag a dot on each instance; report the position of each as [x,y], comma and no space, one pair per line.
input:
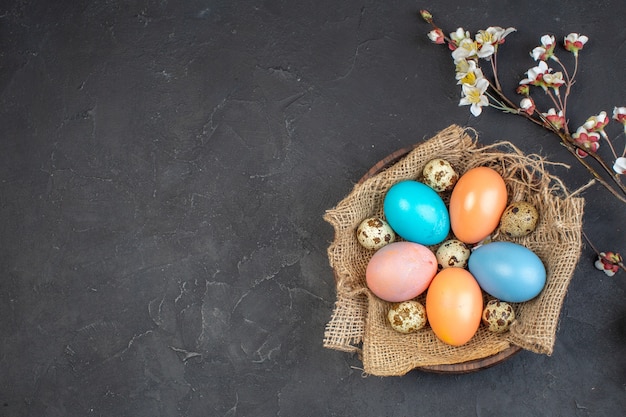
[476,204]
[454,306]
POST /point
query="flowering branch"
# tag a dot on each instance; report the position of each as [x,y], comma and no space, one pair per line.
[478,91]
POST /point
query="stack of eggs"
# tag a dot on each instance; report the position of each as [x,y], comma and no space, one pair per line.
[455,273]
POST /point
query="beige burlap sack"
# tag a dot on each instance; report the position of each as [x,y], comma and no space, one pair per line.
[359,323]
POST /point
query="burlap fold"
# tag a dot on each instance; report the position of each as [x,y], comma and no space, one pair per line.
[358,323]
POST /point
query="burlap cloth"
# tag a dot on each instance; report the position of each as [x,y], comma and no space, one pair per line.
[359,323]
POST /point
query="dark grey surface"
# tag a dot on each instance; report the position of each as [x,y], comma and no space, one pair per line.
[165,169]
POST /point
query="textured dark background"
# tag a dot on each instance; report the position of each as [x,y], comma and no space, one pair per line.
[165,169]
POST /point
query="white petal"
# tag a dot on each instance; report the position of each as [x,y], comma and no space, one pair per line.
[547,40]
[581,130]
[620,165]
[482,84]
[486,51]
[459,53]
[476,110]
[507,32]
[467,89]
[537,52]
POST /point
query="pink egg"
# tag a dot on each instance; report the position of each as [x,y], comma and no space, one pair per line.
[400,271]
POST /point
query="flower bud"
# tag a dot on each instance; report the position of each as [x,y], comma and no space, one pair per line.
[596,123]
[546,50]
[556,119]
[426,16]
[589,141]
[619,115]
[528,105]
[575,42]
[608,262]
[436,35]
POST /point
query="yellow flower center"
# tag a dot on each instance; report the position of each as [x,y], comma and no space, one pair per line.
[473,96]
[487,37]
[462,66]
[469,46]
[470,78]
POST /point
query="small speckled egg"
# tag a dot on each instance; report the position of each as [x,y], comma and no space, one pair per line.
[439,175]
[498,316]
[373,233]
[519,219]
[452,254]
[407,316]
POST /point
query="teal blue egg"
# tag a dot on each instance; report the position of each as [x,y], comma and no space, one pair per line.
[508,271]
[417,213]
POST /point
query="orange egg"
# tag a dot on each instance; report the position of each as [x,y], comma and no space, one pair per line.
[476,204]
[454,306]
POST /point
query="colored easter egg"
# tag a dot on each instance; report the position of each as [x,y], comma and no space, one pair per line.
[454,306]
[508,271]
[416,212]
[476,204]
[400,271]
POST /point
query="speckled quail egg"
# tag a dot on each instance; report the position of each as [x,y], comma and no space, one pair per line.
[452,254]
[519,219]
[373,233]
[439,175]
[407,316]
[498,316]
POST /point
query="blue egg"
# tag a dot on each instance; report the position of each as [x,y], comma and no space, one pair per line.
[508,271]
[417,213]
